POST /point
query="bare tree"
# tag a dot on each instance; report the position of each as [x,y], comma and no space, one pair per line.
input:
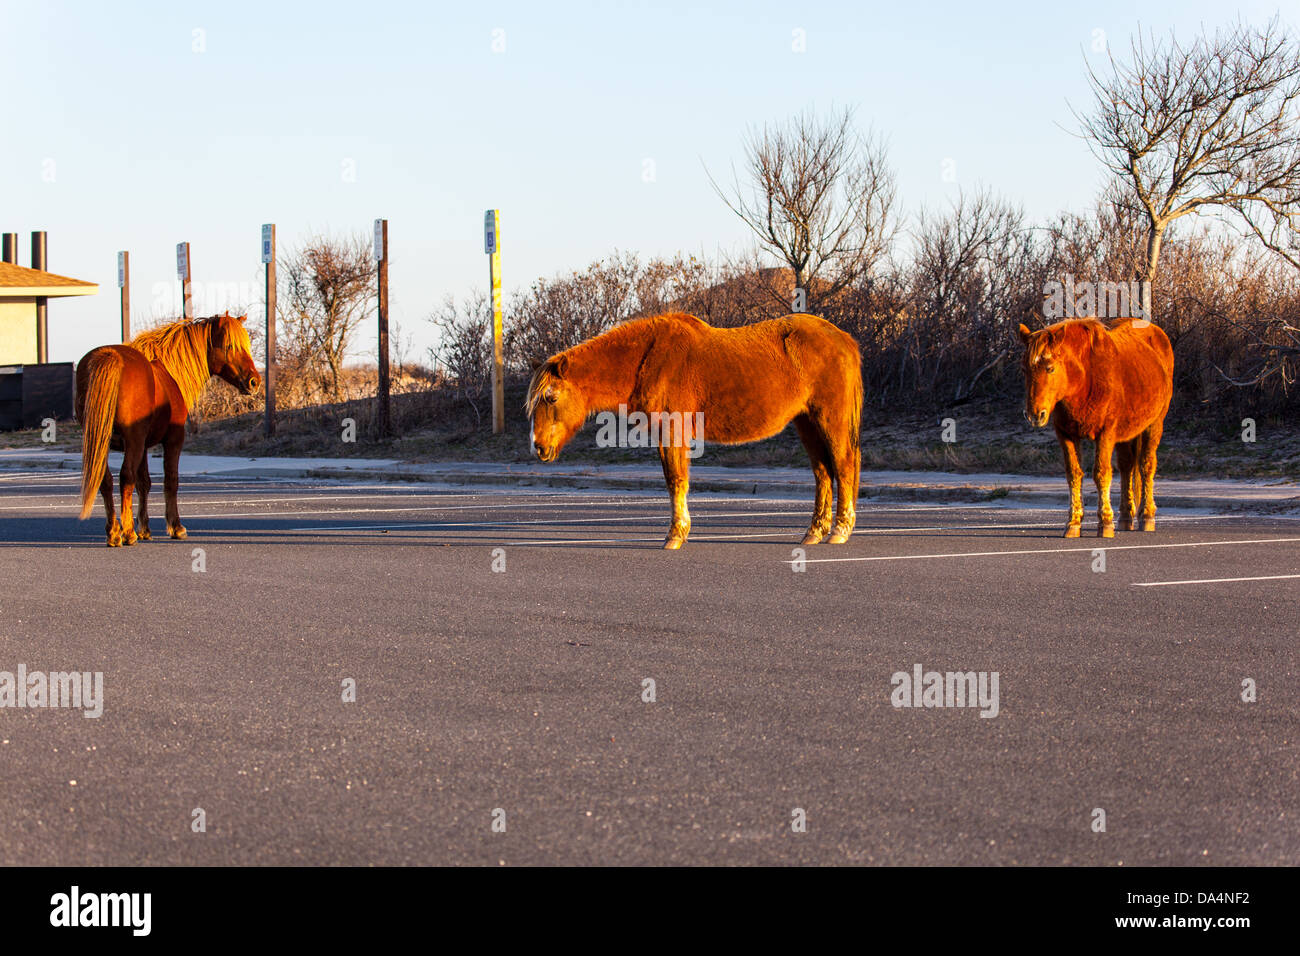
[820,197]
[330,289]
[1211,125]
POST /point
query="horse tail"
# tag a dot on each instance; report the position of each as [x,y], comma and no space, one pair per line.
[105,375]
[855,409]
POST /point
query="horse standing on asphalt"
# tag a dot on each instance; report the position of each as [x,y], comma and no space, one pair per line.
[1111,384]
[132,397]
[744,384]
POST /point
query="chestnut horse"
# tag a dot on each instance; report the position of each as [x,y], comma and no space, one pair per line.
[1112,385]
[134,396]
[742,384]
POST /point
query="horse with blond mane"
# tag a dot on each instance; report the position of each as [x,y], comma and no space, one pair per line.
[744,384]
[132,397]
[1111,384]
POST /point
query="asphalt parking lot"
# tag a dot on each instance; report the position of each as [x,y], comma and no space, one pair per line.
[501,643]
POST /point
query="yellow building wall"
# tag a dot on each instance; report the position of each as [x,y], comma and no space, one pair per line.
[17,331]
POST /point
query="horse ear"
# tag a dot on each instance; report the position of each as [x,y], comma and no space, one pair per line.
[243,318]
[561,366]
[1025,333]
[535,364]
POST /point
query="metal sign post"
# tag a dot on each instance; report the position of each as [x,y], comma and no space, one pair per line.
[492,246]
[183,273]
[124,283]
[381,254]
[268,260]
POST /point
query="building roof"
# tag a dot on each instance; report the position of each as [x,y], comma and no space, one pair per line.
[21,282]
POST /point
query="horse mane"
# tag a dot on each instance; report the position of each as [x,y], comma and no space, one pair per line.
[632,329]
[182,348]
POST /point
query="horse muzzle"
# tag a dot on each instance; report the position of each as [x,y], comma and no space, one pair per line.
[1039,418]
[546,453]
[250,384]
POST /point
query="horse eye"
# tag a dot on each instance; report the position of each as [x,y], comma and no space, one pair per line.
[549,396]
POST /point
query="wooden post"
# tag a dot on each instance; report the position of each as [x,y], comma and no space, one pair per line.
[9,248]
[183,272]
[42,303]
[124,283]
[381,254]
[268,260]
[492,246]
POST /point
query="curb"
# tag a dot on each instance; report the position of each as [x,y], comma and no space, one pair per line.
[975,494]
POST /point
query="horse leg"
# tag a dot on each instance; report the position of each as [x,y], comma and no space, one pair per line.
[1147,461]
[1074,476]
[847,460]
[111,528]
[677,476]
[142,477]
[171,479]
[1126,452]
[820,457]
[1101,474]
[132,456]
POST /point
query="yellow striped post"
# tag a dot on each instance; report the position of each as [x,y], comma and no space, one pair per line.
[492,246]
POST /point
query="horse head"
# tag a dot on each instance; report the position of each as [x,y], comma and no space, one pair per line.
[230,354]
[556,407]
[1046,369]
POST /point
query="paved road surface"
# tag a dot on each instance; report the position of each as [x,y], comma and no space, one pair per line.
[521,691]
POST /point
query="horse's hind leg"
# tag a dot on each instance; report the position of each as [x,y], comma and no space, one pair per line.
[132,460]
[112,530]
[820,457]
[1129,482]
[846,459]
[677,476]
[171,479]
[1149,442]
[144,482]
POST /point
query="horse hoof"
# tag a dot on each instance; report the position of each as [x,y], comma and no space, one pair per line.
[1127,524]
[1072,531]
[1148,524]
[129,539]
[813,537]
[839,537]
[674,544]
[177,532]
[145,535]
[1106,530]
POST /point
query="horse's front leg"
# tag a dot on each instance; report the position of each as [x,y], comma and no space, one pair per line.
[677,476]
[1074,475]
[171,478]
[1101,474]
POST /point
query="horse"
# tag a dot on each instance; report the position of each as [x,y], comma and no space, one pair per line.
[1111,384]
[744,384]
[134,396]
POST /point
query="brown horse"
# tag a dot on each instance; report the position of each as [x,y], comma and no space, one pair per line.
[741,384]
[131,397]
[1112,385]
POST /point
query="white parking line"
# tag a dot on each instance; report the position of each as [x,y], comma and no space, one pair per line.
[1083,548]
[1264,577]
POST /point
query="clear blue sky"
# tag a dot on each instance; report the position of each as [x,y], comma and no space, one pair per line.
[149,142]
